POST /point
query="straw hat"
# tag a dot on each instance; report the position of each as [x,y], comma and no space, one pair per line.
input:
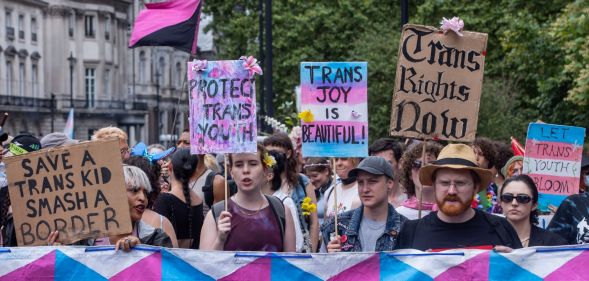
[456,156]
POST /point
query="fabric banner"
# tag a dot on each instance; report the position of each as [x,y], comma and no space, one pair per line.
[334,104]
[150,263]
[222,107]
[553,159]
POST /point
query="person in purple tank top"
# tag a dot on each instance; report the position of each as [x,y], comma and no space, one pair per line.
[250,223]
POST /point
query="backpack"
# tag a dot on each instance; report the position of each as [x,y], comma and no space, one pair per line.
[275,203]
[207,189]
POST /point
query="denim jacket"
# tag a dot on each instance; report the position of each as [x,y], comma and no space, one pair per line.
[349,225]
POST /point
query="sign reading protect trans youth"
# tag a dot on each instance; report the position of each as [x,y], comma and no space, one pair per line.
[334,113]
[438,84]
[553,161]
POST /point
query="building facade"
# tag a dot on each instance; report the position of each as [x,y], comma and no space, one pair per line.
[59,54]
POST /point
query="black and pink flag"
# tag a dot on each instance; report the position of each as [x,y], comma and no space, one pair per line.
[172,23]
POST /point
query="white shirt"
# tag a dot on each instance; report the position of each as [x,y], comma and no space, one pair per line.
[289,203]
[346,200]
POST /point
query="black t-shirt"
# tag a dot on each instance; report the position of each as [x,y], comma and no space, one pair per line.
[177,212]
[432,233]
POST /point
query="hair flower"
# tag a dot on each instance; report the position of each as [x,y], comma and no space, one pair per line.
[269,160]
[307,116]
[199,65]
[455,24]
[251,64]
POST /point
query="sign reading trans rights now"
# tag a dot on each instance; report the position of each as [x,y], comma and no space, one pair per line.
[553,161]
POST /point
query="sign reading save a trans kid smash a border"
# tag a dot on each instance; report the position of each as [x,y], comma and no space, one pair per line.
[334,117]
[553,161]
[438,84]
[222,107]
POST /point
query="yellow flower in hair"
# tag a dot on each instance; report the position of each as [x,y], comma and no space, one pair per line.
[307,116]
[269,160]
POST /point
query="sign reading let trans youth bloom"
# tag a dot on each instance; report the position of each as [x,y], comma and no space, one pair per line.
[222,107]
[438,84]
[553,160]
[334,113]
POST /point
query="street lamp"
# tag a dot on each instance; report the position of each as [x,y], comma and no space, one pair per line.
[72,61]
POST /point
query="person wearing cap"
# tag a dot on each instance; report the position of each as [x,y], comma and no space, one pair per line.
[456,179]
[56,139]
[374,226]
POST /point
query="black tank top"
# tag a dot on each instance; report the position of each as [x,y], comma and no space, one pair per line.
[176,211]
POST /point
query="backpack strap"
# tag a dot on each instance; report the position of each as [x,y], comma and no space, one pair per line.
[208,189]
[279,212]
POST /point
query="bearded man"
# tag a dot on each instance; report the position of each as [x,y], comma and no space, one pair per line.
[456,179]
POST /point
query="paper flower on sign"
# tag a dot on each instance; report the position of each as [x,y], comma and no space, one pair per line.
[455,24]
[307,116]
[356,114]
[199,65]
[269,160]
[251,64]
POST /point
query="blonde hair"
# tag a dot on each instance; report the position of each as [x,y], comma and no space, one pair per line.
[211,163]
[110,132]
[134,176]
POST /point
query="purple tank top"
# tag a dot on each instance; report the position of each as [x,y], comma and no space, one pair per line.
[253,231]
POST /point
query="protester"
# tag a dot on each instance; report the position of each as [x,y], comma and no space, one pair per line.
[391,151]
[346,188]
[411,161]
[373,226]
[456,178]
[56,139]
[321,175]
[519,201]
[571,220]
[182,206]
[114,132]
[253,222]
[504,153]
[584,180]
[152,171]
[298,187]
[513,167]
[486,156]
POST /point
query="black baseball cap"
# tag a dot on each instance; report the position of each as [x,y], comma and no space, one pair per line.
[373,165]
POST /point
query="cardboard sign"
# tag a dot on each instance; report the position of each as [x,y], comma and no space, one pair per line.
[78,190]
[553,160]
[222,108]
[335,95]
[438,84]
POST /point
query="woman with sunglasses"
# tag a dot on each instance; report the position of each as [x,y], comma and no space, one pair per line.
[519,200]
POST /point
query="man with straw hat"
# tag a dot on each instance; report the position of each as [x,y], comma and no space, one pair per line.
[456,179]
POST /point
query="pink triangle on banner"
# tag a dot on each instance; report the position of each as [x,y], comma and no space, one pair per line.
[574,269]
[476,268]
[256,270]
[40,269]
[366,270]
[148,268]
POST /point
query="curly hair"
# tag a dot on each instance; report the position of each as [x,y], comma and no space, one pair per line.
[488,150]
[504,153]
[408,159]
[110,132]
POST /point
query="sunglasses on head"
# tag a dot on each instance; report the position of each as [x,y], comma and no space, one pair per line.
[417,164]
[520,198]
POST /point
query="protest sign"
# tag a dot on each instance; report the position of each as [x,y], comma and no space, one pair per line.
[553,160]
[438,84]
[222,107]
[334,102]
[78,190]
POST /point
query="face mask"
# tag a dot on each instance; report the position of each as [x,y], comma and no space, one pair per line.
[586,178]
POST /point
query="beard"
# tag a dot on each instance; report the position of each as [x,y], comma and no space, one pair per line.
[453,210]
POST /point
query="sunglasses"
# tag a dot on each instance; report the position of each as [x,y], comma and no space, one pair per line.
[417,164]
[520,198]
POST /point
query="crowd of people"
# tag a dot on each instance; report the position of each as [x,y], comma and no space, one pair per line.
[429,196]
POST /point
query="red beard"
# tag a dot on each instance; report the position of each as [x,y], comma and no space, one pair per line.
[452,210]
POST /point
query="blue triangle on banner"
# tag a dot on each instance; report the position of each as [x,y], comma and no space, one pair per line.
[502,268]
[283,270]
[174,268]
[394,269]
[67,268]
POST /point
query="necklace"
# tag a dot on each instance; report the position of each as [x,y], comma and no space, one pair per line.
[525,242]
[243,210]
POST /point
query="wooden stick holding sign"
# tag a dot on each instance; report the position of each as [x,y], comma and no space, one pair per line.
[422,165]
[335,197]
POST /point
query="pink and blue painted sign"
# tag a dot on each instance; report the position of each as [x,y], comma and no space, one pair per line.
[222,107]
[553,160]
[334,98]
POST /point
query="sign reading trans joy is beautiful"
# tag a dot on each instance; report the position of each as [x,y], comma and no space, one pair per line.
[553,160]
[222,107]
[334,108]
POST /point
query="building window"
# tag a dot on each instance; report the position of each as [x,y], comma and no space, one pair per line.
[142,61]
[107,29]
[89,26]
[71,24]
[161,78]
[34,81]
[21,79]
[107,83]
[179,75]
[9,27]
[9,78]
[21,27]
[90,87]
[33,29]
